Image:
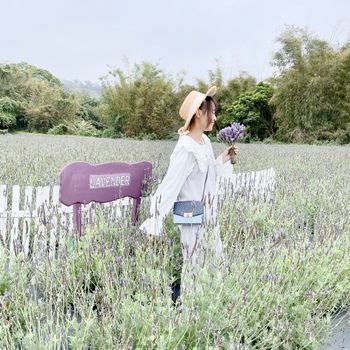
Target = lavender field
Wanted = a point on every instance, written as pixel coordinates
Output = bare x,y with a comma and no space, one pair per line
286,270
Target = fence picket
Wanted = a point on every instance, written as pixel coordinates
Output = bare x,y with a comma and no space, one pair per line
54,221
14,220
28,197
3,213
41,210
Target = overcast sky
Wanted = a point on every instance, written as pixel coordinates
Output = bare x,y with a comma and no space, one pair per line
81,39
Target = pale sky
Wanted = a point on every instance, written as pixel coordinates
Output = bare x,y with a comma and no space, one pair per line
76,39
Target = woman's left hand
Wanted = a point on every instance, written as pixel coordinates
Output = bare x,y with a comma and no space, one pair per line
225,155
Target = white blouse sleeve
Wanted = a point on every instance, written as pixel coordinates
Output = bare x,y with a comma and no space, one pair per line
180,166
223,170
224,174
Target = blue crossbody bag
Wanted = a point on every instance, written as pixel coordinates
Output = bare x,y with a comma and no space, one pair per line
189,212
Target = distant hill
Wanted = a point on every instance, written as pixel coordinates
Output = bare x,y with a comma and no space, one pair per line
93,89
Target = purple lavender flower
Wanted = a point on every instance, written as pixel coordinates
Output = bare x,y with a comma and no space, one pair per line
231,133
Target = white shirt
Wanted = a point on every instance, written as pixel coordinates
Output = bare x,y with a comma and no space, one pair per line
185,179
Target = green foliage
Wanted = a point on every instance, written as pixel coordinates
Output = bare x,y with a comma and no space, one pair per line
52,104
310,98
5,277
8,105
253,110
81,128
7,120
227,92
342,136
89,110
140,102
109,133
312,91
17,74
38,100
77,127
8,110
40,118
60,129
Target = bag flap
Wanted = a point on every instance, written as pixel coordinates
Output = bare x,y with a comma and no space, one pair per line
194,207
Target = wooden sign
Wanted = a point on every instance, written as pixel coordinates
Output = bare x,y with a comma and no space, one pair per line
82,183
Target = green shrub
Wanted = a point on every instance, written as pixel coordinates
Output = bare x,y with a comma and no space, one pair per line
8,111
60,129
81,128
252,109
141,102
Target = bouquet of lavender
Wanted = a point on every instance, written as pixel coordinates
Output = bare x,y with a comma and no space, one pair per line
230,135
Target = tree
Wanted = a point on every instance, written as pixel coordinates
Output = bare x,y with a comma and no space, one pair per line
139,103
8,110
227,92
252,109
40,99
312,90
88,110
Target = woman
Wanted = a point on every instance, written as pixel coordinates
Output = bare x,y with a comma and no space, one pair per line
193,171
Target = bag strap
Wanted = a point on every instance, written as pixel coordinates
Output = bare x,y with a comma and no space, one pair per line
205,182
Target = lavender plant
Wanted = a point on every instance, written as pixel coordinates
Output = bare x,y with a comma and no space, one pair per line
229,136
285,270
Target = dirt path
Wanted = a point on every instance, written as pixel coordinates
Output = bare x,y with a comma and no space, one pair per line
340,337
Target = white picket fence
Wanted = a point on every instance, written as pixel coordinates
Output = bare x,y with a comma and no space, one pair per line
33,221
252,185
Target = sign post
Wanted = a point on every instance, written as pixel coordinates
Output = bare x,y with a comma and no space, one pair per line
82,183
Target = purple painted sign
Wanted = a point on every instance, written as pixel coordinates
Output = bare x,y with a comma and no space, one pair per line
82,183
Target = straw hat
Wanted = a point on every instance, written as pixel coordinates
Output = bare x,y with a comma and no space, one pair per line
190,105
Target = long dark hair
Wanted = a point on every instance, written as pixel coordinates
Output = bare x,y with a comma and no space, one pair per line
205,106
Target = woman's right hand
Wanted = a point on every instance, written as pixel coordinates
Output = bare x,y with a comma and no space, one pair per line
226,156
